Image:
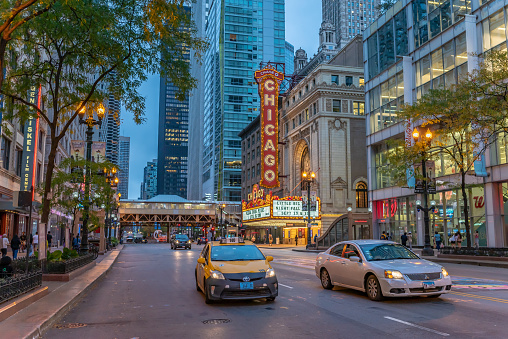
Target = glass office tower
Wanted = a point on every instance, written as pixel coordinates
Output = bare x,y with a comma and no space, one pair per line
241,34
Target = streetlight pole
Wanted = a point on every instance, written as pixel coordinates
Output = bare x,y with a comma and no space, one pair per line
427,138
308,178
90,122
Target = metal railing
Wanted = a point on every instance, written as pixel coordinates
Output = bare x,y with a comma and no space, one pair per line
66,266
18,281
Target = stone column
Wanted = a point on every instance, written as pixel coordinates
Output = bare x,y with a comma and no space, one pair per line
102,241
493,214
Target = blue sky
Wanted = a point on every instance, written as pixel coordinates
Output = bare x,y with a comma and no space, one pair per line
303,19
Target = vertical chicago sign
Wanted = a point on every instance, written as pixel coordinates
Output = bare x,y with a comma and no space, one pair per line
269,80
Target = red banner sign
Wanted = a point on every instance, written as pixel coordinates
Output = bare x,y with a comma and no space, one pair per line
269,80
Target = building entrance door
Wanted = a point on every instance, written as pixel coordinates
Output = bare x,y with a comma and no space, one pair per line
361,232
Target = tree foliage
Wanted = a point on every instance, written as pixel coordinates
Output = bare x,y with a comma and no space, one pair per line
67,187
464,119
83,52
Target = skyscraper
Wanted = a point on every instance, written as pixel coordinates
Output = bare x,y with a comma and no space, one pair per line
194,179
123,164
149,184
241,35
349,18
289,58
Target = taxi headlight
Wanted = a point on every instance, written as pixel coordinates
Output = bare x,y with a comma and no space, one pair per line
393,274
270,273
177,241
445,272
216,275
188,241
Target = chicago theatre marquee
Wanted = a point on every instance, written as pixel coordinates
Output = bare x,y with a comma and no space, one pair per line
320,129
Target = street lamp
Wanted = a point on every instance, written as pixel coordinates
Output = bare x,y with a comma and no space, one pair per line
308,178
113,180
90,122
425,139
221,208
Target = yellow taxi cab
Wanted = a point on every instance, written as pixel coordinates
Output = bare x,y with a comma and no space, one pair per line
232,269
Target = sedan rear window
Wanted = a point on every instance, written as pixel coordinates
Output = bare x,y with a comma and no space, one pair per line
374,252
236,253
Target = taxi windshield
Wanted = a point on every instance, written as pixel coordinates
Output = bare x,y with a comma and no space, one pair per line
375,252
182,237
236,253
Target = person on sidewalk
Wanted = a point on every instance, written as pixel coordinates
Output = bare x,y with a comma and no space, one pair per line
403,239
453,239
383,236
15,245
458,239
315,238
476,240
23,242
270,239
36,241
5,244
296,240
410,240
49,237
437,238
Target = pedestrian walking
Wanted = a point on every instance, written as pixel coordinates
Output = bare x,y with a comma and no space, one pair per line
36,241
23,242
403,239
75,243
477,240
296,239
5,244
458,239
270,239
49,237
383,236
410,240
453,239
388,237
315,238
15,245
437,238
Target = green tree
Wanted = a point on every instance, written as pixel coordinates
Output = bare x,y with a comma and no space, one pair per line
67,187
385,5
460,135
13,15
84,51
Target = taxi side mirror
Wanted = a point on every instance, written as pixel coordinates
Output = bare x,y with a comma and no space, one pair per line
201,260
269,258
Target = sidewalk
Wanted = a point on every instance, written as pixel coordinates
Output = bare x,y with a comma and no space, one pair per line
280,246
36,318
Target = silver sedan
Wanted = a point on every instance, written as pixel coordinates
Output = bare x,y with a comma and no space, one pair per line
381,269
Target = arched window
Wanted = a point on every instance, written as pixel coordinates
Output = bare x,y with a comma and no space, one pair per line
361,195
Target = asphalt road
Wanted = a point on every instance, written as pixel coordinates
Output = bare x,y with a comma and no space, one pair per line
150,293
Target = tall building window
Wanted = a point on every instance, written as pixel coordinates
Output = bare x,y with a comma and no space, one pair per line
361,195
336,106
6,147
335,79
358,108
349,80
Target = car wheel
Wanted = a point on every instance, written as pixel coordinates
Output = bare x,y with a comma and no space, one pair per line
373,288
434,296
325,280
207,297
270,299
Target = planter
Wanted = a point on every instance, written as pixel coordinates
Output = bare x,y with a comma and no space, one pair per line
19,284
482,251
66,266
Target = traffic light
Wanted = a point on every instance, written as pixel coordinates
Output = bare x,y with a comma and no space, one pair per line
213,229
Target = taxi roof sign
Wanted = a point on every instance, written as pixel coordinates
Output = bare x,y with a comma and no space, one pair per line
232,240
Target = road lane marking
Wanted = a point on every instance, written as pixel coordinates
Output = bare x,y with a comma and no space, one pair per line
417,326
504,301
285,286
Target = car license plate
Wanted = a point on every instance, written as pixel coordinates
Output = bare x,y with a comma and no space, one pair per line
428,284
246,285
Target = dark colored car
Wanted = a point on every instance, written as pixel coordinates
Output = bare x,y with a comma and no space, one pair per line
181,240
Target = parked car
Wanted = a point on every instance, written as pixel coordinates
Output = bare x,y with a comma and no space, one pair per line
381,269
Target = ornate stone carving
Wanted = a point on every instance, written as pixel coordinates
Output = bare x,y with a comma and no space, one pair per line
345,106
337,124
339,183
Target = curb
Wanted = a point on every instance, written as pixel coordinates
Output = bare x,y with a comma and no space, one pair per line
52,319
467,262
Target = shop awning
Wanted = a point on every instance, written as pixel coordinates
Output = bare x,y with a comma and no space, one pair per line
6,206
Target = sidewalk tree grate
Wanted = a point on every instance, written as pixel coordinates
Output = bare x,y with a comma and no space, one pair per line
70,325
216,321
